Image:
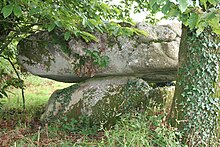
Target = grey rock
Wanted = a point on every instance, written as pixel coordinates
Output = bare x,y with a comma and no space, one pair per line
159,33
102,100
162,96
153,57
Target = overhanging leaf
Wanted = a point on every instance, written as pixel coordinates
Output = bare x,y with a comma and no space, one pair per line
213,2
34,11
193,20
67,35
4,93
183,5
7,10
214,23
166,7
87,36
204,3
208,16
201,27
51,27
140,32
17,10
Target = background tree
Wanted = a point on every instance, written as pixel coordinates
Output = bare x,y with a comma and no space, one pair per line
194,110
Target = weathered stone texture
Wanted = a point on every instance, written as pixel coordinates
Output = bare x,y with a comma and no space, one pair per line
120,87
153,57
104,99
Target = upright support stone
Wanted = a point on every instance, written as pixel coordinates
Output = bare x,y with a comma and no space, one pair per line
102,100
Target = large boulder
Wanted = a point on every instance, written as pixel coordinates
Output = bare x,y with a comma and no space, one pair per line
153,57
102,100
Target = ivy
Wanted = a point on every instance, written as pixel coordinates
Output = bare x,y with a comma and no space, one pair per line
199,76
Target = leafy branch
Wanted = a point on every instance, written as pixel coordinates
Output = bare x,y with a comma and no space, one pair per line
20,83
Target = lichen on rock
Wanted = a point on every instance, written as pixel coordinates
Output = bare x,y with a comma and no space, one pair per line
102,100
140,56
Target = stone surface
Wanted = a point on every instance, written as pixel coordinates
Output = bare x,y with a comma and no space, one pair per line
102,100
160,33
153,57
163,96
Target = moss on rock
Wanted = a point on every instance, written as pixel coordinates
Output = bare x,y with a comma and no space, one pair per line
102,100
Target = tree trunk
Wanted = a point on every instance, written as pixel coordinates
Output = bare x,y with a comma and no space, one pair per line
175,113
194,111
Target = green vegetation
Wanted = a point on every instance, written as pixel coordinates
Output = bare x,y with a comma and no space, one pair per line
193,95
23,127
37,92
143,129
21,18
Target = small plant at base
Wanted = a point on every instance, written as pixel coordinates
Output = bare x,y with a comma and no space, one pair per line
80,126
141,129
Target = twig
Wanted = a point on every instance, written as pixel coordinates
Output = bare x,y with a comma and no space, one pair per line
5,45
22,30
38,135
13,22
19,78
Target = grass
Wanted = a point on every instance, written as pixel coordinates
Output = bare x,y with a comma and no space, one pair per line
23,128
37,92
142,129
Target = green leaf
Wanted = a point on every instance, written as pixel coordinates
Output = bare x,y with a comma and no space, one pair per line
87,36
116,31
93,22
201,27
58,23
7,10
140,32
67,35
99,29
4,93
152,2
216,30
173,13
51,27
203,2
213,2
34,11
155,8
193,20
208,16
183,4
166,7
17,11
84,21
214,23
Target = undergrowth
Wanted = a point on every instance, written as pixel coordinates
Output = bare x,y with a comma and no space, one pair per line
134,129
140,130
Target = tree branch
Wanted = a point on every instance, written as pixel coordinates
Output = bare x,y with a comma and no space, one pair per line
23,30
13,22
19,78
5,45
